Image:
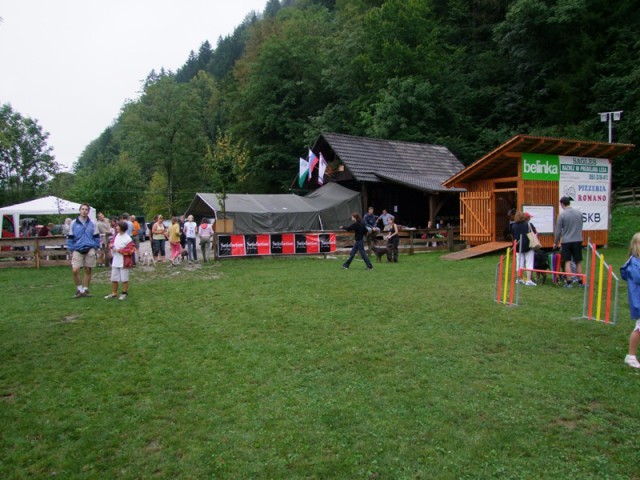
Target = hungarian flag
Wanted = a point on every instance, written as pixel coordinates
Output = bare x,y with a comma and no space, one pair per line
304,170
321,169
313,160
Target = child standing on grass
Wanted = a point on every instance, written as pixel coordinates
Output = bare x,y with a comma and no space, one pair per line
123,249
630,272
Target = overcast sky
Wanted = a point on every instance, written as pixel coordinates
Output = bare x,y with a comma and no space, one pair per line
72,64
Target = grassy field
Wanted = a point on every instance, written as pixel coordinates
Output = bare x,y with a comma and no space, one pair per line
292,368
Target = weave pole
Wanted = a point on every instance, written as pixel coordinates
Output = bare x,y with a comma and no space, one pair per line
513,275
605,287
598,292
499,278
505,277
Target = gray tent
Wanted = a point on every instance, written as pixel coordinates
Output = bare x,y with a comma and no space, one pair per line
323,209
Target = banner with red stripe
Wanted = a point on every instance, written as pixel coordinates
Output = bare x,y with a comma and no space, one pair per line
230,246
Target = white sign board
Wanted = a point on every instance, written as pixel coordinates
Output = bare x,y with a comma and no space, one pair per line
542,217
588,182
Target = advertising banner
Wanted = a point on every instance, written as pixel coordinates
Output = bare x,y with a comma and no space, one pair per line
586,180
230,246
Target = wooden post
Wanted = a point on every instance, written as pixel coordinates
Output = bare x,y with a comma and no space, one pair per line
450,242
36,254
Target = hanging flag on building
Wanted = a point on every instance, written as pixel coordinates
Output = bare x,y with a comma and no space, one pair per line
321,169
304,171
313,160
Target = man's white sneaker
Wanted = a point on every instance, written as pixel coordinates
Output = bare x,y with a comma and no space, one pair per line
531,283
632,361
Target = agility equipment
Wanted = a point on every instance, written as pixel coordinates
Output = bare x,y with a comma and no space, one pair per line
598,290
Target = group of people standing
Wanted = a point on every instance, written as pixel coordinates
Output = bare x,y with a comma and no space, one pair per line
118,242
182,237
567,237
370,225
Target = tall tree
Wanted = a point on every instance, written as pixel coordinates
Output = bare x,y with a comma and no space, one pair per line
164,135
280,86
114,188
26,161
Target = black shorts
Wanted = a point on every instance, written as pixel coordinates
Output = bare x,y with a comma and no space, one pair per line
572,251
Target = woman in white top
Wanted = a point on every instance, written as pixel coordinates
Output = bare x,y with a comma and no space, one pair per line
190,230
121,247
205,232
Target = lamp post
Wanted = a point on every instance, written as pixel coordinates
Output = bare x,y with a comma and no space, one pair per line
610,117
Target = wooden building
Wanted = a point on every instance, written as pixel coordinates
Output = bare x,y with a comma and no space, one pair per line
404,178
500,181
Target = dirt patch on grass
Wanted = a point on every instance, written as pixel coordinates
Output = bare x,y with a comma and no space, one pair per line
150,273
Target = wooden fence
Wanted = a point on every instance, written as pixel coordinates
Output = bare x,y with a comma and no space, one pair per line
627,196
36,252
411,241
33,252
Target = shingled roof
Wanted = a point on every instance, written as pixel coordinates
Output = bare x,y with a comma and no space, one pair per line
417,165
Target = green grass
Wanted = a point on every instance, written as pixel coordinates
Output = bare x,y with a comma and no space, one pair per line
624,225
293,368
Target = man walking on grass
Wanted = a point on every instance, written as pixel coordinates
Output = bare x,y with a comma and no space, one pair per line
82,242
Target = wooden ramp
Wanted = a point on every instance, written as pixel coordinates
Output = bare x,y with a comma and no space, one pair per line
477,250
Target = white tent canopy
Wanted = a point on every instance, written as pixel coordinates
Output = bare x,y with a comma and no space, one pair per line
43,206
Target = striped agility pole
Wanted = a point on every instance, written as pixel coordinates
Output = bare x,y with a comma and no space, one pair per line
606,285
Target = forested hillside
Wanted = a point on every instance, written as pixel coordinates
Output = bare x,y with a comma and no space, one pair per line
466,74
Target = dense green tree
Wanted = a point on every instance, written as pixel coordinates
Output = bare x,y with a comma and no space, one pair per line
230,49
164,134
26,161
272,8
280,85
100,152
155,201
462,73
60,185
226,164
114,188
195,63
207,108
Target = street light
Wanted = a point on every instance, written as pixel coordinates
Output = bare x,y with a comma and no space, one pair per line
610,117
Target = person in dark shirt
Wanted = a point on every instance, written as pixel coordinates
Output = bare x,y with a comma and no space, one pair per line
393,238
359,230
45,231
370,221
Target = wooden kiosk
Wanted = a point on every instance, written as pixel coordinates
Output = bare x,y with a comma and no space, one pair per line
532,173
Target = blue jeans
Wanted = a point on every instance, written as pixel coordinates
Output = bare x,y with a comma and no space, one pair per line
157,247
191,249
358,247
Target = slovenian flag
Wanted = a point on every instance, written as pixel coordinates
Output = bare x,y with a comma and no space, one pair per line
321,169
304,170
313,160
